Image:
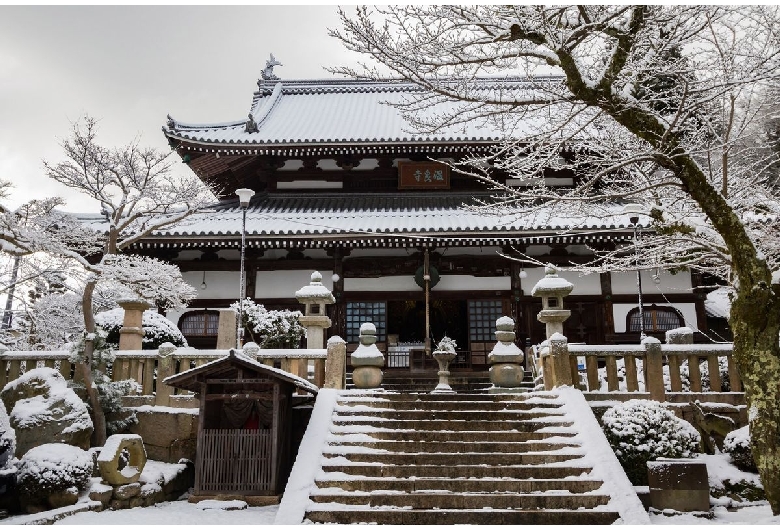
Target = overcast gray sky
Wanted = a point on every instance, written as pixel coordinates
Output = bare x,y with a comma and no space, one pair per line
131,66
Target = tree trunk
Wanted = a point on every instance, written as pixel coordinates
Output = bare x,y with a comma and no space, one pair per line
85,368
755,320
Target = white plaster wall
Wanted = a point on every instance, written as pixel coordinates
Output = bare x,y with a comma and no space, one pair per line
309,185
620,312
625,282
585,284
283,284
448,282
219,284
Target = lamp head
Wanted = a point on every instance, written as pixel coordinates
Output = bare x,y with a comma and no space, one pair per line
634,211
244,194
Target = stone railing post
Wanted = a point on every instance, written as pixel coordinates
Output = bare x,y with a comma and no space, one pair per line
654,372
131,334
559,357
226,329
166,367
336,363
367,360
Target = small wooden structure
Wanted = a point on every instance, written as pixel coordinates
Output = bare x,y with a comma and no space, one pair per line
244,432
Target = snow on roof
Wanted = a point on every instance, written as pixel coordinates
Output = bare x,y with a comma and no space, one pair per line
718,303
289,215
314,112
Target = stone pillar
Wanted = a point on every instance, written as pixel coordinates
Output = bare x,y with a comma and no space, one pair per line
336,363
679,336
367,360
166,367
132,333
315,297
506,370
559,355
226,332
654,371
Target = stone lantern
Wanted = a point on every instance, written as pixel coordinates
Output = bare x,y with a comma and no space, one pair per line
552,289
367,360
315,297
506,370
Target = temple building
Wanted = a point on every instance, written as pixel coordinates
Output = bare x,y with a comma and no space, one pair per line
344,186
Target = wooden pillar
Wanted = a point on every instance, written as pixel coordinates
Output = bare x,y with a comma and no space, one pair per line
200,442
276,437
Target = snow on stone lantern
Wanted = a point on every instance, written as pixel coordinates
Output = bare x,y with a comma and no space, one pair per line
506,370
367,360
315,297
552,289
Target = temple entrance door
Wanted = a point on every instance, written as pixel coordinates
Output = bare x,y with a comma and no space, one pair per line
406,328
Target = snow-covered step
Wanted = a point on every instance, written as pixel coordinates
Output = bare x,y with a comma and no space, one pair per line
444,459
471,485
455,446
447,425
453,436
464,471
482,516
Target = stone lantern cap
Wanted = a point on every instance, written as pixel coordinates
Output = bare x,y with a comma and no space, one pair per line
315,292
552,284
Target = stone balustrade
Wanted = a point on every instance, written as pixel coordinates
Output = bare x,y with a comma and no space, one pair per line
149,367
618,367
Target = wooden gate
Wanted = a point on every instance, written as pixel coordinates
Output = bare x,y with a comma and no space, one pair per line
235,460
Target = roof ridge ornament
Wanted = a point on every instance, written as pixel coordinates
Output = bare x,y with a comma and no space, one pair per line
267,73
171,123
251,125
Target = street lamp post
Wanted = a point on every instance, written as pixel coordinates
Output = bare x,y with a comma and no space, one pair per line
634,210
244,194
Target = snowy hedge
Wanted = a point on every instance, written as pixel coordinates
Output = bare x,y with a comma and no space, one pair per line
157,328
737,446
52,468
641,430
271,328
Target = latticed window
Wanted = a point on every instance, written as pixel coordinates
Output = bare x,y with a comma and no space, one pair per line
361,312
482,319
657,319
199,324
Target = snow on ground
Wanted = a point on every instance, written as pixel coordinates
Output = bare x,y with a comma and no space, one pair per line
185,513
177,513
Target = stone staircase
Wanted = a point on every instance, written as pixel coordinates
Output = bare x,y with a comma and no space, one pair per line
454,459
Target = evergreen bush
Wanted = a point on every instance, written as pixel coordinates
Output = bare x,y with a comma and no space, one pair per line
157,328
737,446
52,468
641,430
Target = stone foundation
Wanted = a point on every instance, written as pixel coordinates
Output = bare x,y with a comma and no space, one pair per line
144,493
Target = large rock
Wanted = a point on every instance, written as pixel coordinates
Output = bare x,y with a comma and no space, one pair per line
7,439
42,410
169,434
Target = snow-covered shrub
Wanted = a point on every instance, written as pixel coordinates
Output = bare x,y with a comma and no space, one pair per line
641,430
737,446
109,392
52,468
157,328
447,344
271,329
